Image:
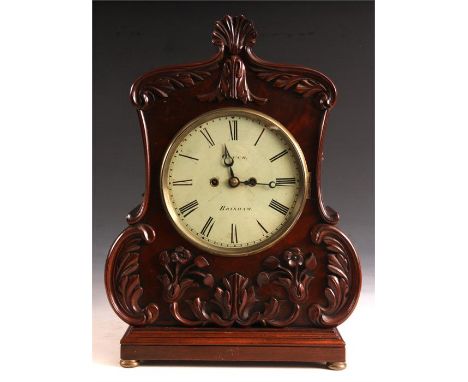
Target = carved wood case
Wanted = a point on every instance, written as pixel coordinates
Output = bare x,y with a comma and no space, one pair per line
310,278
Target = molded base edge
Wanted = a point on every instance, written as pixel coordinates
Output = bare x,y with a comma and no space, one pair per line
300,345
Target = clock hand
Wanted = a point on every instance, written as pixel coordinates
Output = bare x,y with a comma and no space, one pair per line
227,158
253,182
229,161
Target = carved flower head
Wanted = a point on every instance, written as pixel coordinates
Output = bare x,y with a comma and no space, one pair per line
181,255
294,257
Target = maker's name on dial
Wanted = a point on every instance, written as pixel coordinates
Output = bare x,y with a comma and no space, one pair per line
227,208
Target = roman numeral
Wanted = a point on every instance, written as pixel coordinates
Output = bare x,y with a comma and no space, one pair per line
233,130
234,234
188,208
207,136
188,156
207,227
262,227
285,181
277,206
255,144
186,182
279,155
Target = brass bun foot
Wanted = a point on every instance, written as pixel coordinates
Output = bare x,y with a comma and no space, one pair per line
336,365
127,363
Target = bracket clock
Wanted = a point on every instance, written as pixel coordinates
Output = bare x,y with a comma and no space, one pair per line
232,254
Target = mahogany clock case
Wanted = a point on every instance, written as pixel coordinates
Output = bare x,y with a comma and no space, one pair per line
141,284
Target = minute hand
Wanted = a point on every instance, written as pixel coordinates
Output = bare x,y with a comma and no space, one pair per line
279,182
253,182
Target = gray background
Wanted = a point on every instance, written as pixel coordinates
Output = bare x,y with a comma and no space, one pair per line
130,38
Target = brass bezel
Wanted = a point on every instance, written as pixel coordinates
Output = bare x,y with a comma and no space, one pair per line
172,214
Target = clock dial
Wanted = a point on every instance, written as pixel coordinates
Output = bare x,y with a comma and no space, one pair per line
234,181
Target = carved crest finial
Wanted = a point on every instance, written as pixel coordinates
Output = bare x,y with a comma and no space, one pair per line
234,33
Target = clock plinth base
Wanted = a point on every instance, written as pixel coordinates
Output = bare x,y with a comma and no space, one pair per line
292,345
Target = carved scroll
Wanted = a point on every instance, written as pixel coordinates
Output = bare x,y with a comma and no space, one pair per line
122,276
343,280
328,214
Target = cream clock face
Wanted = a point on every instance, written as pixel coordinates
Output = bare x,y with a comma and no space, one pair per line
234,181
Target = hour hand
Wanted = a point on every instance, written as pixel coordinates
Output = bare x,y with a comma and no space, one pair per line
227,158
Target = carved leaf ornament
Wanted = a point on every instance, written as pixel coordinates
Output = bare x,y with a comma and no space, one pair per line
123,285
163,85
293,273
342,263
303,85
181,273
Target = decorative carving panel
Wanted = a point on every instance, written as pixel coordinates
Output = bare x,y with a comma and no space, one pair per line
234,299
